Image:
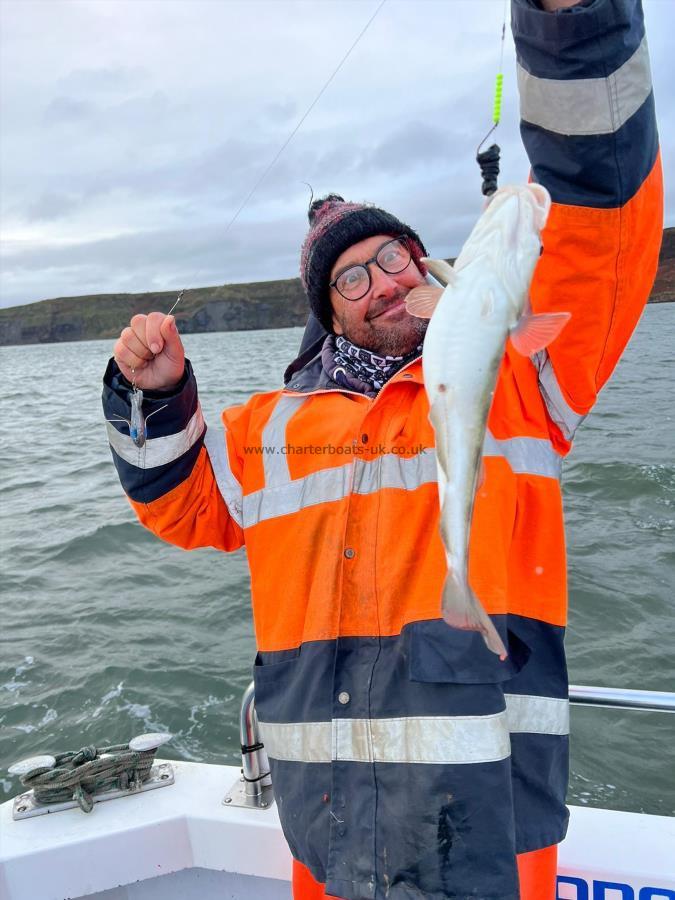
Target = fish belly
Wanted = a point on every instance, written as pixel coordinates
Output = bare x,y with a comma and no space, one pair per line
462,353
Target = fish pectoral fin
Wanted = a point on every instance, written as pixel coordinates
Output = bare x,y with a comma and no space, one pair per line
423,300
441,270
534,331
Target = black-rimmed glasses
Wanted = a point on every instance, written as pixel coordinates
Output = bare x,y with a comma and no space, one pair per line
354,282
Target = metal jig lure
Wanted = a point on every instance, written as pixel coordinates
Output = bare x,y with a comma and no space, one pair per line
137,423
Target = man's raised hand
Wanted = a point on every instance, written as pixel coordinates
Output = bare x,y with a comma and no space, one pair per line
150,352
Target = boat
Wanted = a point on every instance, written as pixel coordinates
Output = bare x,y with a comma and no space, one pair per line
192,831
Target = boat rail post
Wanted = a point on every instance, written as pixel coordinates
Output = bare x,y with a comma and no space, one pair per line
253,788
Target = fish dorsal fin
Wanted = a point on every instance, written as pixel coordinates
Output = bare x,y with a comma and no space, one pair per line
534,331
441,270
422,300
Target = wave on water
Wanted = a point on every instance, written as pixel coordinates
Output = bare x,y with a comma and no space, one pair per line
620,480
115,539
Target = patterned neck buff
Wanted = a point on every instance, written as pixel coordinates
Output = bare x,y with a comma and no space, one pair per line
358,369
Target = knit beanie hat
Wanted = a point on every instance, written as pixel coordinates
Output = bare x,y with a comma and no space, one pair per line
334,225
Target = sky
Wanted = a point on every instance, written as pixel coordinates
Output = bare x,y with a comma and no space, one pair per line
132,132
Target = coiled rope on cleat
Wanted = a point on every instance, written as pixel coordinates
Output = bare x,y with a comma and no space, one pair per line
81,774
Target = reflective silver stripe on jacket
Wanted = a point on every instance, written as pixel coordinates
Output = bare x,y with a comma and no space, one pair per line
438,740
586,105
393,471
157,451
230,490
275,463
537,715
320,487
558,408
450,740
525,455
284,496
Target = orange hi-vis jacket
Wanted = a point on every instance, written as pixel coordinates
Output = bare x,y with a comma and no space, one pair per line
407,759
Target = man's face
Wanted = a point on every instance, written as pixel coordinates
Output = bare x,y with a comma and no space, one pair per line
379,321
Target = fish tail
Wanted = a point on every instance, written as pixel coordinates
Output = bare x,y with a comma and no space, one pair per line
462,609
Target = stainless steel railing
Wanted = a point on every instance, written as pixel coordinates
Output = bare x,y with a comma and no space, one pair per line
622,698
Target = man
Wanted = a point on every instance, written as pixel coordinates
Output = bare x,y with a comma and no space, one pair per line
407,760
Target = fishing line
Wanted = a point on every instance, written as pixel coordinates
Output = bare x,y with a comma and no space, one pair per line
488,160
308,111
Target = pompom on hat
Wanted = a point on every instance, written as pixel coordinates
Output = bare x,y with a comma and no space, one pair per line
334,226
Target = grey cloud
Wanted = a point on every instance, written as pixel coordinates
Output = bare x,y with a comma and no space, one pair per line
221,174
52,205
162,249
67,110
143,111
104,80
281,111
414,144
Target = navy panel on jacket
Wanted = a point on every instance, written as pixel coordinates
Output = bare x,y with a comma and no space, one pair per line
145,485
459,816
540,762
546,670
602,171
373,850
589,41
540,775
375,672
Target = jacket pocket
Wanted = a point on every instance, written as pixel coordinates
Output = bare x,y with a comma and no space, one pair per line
439,653
274,663
273,675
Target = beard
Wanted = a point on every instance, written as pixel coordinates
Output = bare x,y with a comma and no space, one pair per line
394,335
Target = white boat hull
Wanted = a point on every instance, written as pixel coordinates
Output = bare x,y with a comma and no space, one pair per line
183,843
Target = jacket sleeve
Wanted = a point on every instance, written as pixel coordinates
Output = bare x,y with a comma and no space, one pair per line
184,484
589,129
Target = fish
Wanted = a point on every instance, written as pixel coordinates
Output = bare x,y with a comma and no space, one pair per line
484,303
